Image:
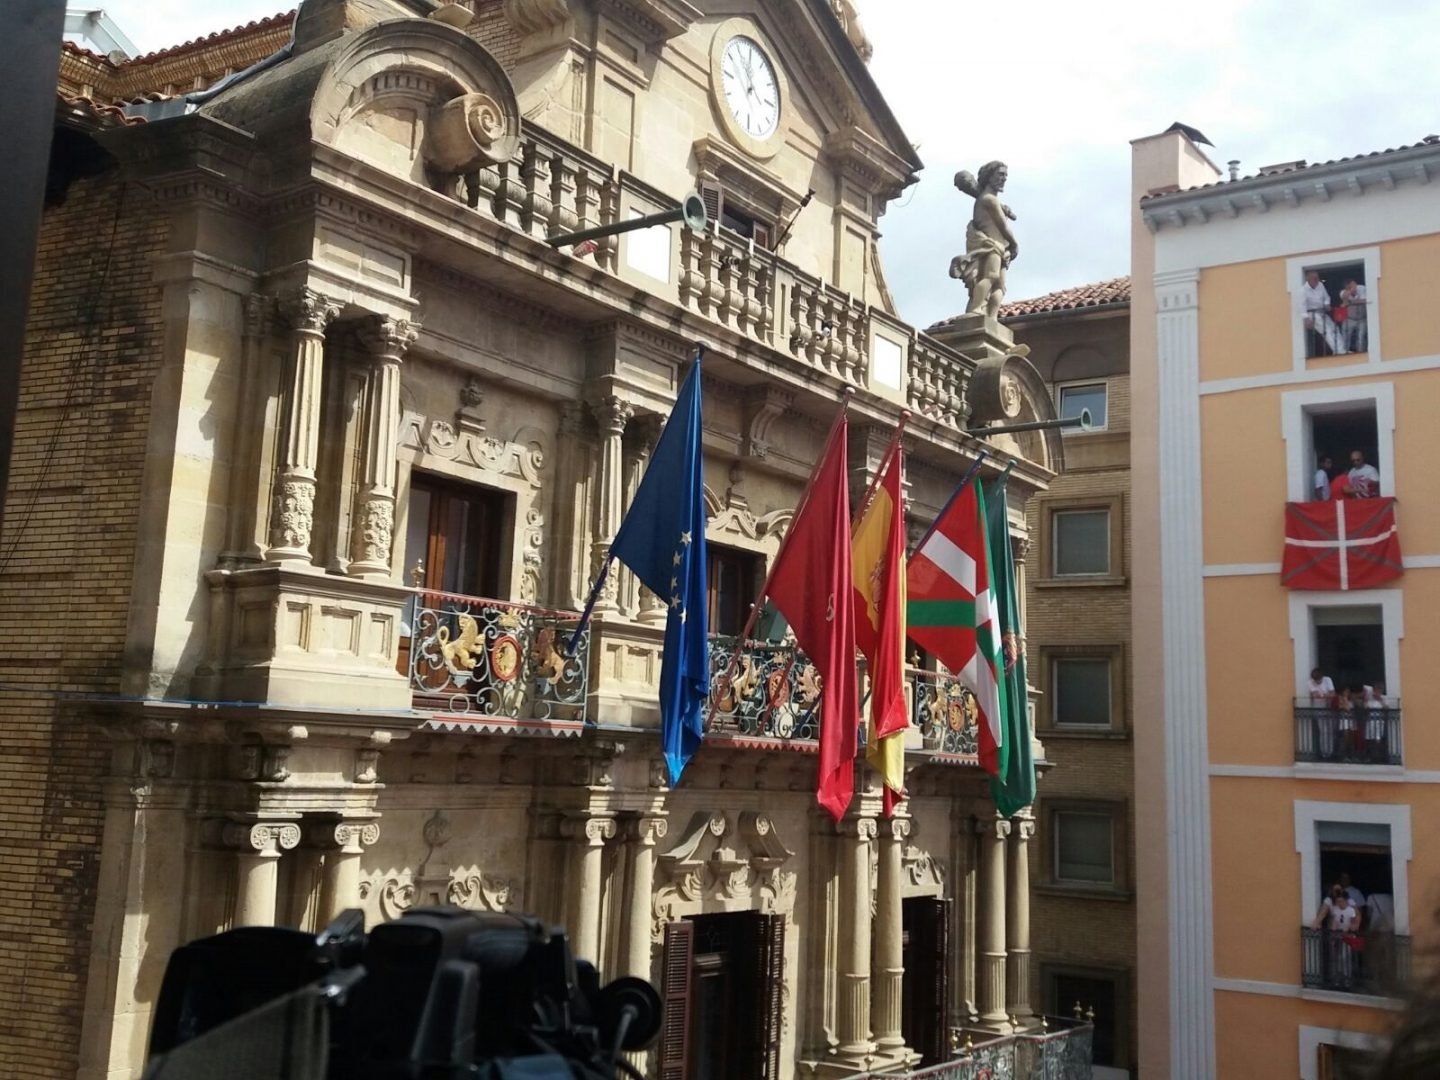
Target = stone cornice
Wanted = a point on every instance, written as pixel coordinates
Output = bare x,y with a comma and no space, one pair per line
1352,177
652,21
865,160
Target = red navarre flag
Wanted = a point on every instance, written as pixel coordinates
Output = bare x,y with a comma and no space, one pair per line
810,584
1341,544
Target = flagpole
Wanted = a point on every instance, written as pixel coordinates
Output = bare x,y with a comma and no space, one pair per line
965,480
750,620
605,566
890,452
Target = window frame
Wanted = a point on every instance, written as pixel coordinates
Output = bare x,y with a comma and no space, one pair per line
496,541
1309,815
1053,562
1051,657
1118,810
1391,603
1295,269
1298,406
1076,384
1058,846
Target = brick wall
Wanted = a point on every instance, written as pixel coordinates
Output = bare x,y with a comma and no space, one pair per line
494,31
66,550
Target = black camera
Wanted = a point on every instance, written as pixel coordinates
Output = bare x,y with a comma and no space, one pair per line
439,994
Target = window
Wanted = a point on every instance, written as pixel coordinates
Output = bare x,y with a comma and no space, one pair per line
1078,397
1080,692
1082,543
1345,436
1338,422
1084,848
1334,309
732,217
454,535
925,995
1075,990
722,981
1350,645
735,579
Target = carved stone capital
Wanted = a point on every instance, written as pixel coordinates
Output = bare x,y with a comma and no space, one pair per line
997,827
310,312
1024,829
896,828
262,838
642,434
647,831
612,414
861,829
593,830
387,338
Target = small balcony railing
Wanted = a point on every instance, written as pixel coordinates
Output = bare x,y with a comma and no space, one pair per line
1375,962
1358,735
772,693
944,711
493,663
1326,337
1061,1050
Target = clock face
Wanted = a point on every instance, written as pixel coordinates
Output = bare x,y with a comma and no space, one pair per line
751,89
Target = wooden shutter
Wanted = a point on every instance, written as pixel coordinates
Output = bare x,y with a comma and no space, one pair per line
762,233
675,997
926,987
759,951
713,195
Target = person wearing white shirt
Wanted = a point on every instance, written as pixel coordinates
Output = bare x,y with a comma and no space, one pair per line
1322,479
1322,715
1315,299
1364,478
1340,919
1353,297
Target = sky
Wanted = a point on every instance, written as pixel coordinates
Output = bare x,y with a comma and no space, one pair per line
1058,89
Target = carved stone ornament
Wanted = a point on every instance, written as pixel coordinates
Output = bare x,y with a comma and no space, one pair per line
294,513
763,406
376,532
310,312
719,866
536,16
467,133
388,337
263,838
366,766
434,882
522,458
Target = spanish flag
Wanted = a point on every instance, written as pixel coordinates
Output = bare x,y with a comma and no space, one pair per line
877,544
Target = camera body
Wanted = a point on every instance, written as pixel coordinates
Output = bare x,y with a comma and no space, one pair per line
439,994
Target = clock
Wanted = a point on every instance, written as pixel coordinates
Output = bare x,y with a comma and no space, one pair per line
751,90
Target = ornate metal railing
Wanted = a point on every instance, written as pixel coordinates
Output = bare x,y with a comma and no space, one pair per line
1060,1051
772,693
1359,735
943,709
1371,962
485,660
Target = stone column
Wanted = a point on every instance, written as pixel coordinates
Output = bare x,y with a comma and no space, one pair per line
611,413
853,1008
644,834
374,524
344,843
992,925
241,543
294,514
588,836
890,942
257,865
572,508
641,435
1017,921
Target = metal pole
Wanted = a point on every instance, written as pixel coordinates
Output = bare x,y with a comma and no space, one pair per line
30,36
1081,421
691,211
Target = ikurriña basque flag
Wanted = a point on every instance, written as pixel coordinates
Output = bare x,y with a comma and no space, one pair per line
662,541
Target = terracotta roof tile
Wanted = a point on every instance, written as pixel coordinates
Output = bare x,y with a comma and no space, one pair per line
79,50
106,115
1095,295
218,37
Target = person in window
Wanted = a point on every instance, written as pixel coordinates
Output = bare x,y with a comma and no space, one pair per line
1340,920
1322,714
1364,478
1375,725
1353,297
1357,898
1346,707
1322,478
1322,689
1315,298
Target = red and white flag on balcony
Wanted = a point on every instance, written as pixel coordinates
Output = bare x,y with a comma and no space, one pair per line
1341,544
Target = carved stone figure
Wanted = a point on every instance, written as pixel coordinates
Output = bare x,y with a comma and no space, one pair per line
990,245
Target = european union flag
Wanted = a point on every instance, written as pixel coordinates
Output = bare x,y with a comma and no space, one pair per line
662,540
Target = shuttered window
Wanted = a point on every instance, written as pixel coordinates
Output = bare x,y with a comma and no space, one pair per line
733,218
926,987
675,999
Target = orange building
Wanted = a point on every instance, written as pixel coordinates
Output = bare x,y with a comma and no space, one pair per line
1280,320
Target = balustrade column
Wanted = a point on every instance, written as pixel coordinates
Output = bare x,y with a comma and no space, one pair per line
993,832
373,533
644,834
294,512
611,413
1017,922
890,942
853,1011
588,835
257,865
340,883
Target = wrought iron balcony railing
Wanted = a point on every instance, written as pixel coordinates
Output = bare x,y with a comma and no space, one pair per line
1359,735
772,694
490,663
943,709
1062,1050
1373,962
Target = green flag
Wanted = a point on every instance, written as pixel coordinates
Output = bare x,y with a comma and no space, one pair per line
1014,788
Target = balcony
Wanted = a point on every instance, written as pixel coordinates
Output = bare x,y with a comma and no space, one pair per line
771,698
943,711
1325,734
1374,962
490,665
1060,1050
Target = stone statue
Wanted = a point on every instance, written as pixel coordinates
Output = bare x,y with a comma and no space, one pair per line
990,246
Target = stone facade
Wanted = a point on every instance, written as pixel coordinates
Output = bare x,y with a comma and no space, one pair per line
287,360
1083,935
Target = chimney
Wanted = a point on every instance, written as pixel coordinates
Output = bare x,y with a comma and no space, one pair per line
1234,164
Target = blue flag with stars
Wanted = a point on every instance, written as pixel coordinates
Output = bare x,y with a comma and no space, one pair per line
662,540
